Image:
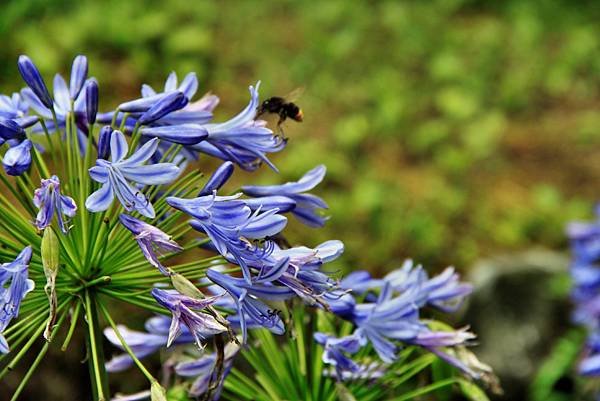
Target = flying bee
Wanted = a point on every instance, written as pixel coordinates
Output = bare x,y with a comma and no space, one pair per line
283,107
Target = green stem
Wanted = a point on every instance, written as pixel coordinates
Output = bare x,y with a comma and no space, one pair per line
124,343
96,361
74,318
37,360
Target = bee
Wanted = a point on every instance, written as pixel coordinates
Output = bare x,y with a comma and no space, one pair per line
283,107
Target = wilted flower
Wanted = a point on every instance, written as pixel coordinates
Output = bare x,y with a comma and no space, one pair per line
50,201
151,240
184,312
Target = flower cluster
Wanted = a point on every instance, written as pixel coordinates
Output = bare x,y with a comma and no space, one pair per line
386,314
585,273
116,181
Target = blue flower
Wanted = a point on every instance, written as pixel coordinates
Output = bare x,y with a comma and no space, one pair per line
104,142
388,320
143,343
115,177
151,240
336,352
249,307
228,222
32,77
50,201
14,286
165,105
198,112
79,72
91,100
204,371
17,159
444,291
217,179
14,118
184,310
306,205
241,139
66,99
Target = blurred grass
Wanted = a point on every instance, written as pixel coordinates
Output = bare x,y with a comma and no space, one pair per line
451,129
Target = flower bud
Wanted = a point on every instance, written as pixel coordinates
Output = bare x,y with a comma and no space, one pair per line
91,100
18,158
217,179
185,134
185,286
50,252
79,71
10,129
168,104
32,77
157,392
104,142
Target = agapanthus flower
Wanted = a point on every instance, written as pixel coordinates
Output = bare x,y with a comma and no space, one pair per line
336,352
142,343
204,371
228,222
306,205
151,240
132,153
14,286
14,116
116,177
248,305
198,112
50,201
217,179
585,273
185,310
392,317
17,159
66,98
32,77
241,139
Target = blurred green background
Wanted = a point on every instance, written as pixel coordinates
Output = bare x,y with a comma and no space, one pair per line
452,130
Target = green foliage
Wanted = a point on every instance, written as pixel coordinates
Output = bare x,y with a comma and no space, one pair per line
291,369
557,365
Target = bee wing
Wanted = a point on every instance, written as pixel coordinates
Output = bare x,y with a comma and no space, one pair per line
295,94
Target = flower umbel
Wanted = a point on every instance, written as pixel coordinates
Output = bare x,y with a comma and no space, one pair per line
220,266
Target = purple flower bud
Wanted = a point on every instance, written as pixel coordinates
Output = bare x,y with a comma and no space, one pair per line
79,72
217,179
9,129
168,104
91,100
185,134
104,142
32,77
18,158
